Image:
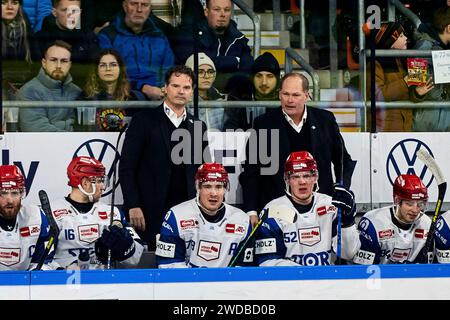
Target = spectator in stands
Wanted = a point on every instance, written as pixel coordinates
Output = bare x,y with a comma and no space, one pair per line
218,230
219,38
292,127
65,24
213,117
16,54
108,81
391,80
36,11
53,83
143,46
435,37
152,176
266,83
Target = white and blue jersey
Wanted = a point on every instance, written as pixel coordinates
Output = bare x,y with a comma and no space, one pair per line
309,241
383,242
80,230
442,238
187,239
22,244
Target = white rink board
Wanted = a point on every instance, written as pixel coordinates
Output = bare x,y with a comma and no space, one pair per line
384,282
44,158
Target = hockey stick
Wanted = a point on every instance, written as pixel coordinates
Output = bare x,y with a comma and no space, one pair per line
431,164
339,210
281,212
54,230
111,217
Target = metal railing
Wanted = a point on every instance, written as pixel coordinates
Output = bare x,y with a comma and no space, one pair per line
256,25
291,54
406,12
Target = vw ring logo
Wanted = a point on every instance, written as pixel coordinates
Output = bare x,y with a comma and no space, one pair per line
104,152
402,159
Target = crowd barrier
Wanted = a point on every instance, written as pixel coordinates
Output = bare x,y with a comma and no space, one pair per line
380,157
409,282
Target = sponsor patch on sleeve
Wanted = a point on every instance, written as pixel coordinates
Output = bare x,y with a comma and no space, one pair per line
364,257
266,246
165,249
443,256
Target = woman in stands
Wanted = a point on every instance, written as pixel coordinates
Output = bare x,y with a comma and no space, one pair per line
109,81
391,80
16,55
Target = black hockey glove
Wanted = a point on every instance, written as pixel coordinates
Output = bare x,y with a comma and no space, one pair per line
119,240
344,199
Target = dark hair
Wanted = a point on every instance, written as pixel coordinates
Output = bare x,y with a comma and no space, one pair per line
305,82
180,69
441,19
95,85
58,43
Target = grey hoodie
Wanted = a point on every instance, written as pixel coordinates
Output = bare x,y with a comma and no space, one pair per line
47,119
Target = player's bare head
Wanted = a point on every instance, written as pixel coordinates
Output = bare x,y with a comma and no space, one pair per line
87,175
410,197
211,181
301,176
57,60
12,190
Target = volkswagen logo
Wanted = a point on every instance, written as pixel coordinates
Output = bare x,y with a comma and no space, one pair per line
104,152
402,159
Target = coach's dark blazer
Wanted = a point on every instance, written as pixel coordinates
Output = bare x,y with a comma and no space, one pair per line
145,166
326,139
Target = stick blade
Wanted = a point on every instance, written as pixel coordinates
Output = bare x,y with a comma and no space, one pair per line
283,212
431,163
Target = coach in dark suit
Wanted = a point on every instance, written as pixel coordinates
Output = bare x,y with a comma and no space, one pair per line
162,150
293,127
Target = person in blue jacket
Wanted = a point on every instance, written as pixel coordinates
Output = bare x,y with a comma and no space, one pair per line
36,11
144,48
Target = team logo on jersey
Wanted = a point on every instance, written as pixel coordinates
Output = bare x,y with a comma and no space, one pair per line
88,233
103,215
420,234
400,255
188,224
386,234
208,250
234,228
30,231
9,256
309,236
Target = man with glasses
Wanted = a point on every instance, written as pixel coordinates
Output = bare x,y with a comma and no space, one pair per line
396,234
53,83
213,117
143,46
310,240
84,221
23,228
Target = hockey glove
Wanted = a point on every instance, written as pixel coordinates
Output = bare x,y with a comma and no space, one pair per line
344,199
119,240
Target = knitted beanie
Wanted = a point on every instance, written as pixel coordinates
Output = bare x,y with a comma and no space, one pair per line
266,62
389,33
